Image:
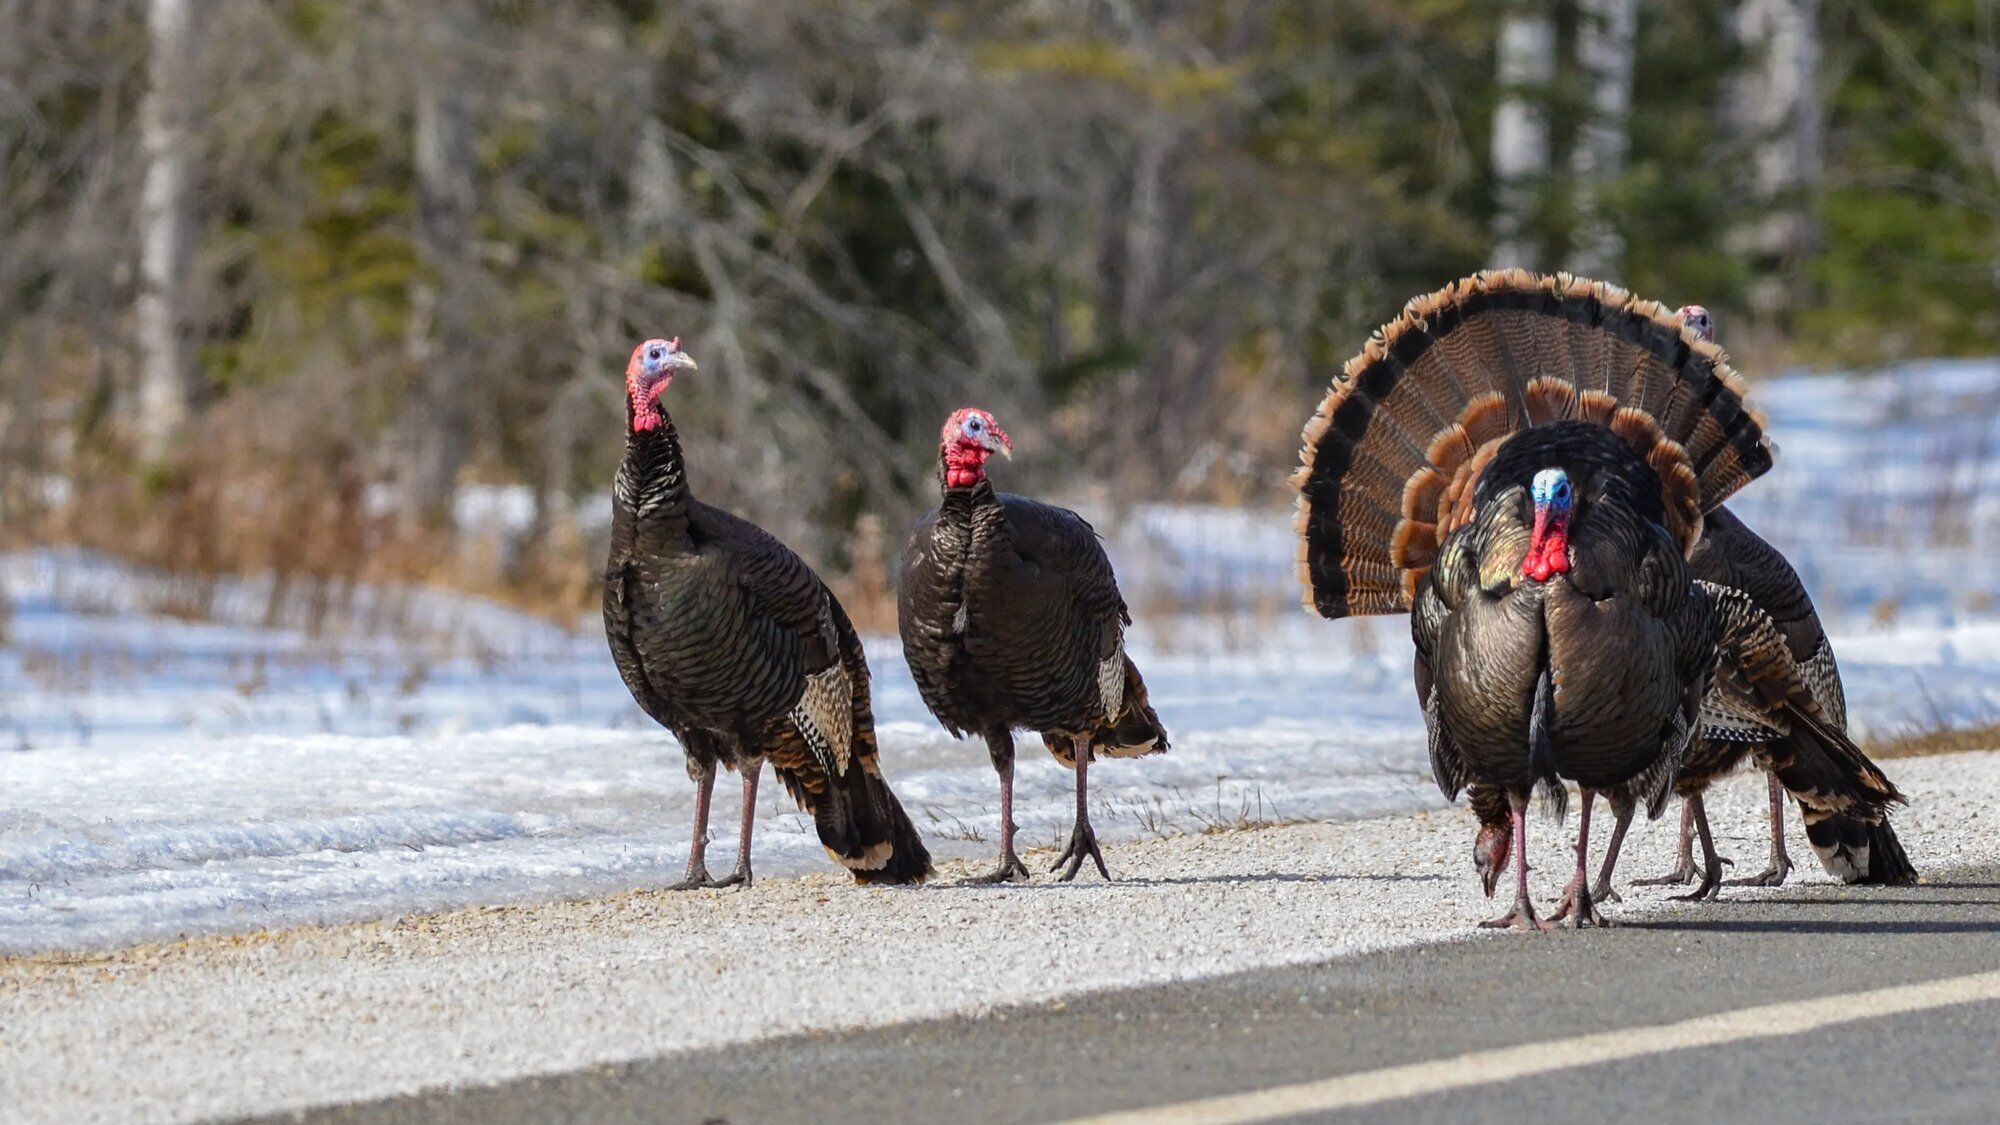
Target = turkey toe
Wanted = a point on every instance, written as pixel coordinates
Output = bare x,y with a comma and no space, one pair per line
1082,843
1010,870
1773,876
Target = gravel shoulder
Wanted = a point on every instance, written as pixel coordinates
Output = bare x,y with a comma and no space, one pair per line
275,1021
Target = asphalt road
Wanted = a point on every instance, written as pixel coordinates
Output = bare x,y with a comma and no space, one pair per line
1277,1029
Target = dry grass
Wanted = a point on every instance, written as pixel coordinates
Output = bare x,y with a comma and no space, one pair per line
252,497
1935,740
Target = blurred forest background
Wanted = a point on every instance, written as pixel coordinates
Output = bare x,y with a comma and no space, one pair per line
336,290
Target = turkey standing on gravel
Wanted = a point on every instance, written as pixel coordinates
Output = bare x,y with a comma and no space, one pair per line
1845,810
1524,463
1011,618
728,639
1842,796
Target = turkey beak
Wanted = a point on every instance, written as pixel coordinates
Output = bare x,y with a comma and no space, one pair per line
681,361
996,442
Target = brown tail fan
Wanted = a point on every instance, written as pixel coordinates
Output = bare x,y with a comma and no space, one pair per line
1392,453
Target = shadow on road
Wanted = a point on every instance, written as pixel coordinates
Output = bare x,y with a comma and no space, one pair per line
1752,926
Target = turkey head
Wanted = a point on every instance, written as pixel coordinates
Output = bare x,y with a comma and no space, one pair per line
650,372
970,436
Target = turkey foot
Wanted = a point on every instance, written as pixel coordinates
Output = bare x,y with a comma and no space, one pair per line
1708,891
1587,915
1601,890
1781,863
1082,840
1576,904
1522,917
741,876
1772,876
1682,874
696,878
1711,873
1684,871
1579,905
697,868
1011,869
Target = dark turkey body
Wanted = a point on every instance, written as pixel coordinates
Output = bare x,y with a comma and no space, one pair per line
1625,636
702,656
1009,613
1730,554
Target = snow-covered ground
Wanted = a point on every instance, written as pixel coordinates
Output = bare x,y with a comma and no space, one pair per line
161,776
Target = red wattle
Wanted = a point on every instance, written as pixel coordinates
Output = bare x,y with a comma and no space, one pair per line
1547,558
964,464
646,414
1548,548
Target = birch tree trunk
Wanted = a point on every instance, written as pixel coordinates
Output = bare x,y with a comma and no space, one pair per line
1605,33
1775,114
439,425
166,202
1145,233
1526,66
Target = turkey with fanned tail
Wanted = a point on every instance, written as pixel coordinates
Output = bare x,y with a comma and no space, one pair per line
728,639
1779,707
1011,619
1523,463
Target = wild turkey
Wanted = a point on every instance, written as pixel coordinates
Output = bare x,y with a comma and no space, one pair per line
1854,846
1779,705
1011,618
1523,462
728,639
1857,846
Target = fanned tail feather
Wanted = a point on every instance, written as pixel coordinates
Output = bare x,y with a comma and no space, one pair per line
1391,455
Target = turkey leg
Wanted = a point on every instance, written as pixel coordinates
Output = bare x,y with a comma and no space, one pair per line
1522,917
1082,840
1711,876
1601,891
1000,745
1576,904
697,868
741,876
1683,872
1781,861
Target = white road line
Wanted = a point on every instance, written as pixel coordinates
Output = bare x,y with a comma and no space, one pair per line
1481,1067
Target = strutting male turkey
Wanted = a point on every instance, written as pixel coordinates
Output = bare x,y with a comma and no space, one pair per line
728,639
1843,797
1011,618
1524,463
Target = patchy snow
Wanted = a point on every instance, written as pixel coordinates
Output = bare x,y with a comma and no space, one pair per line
290,757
